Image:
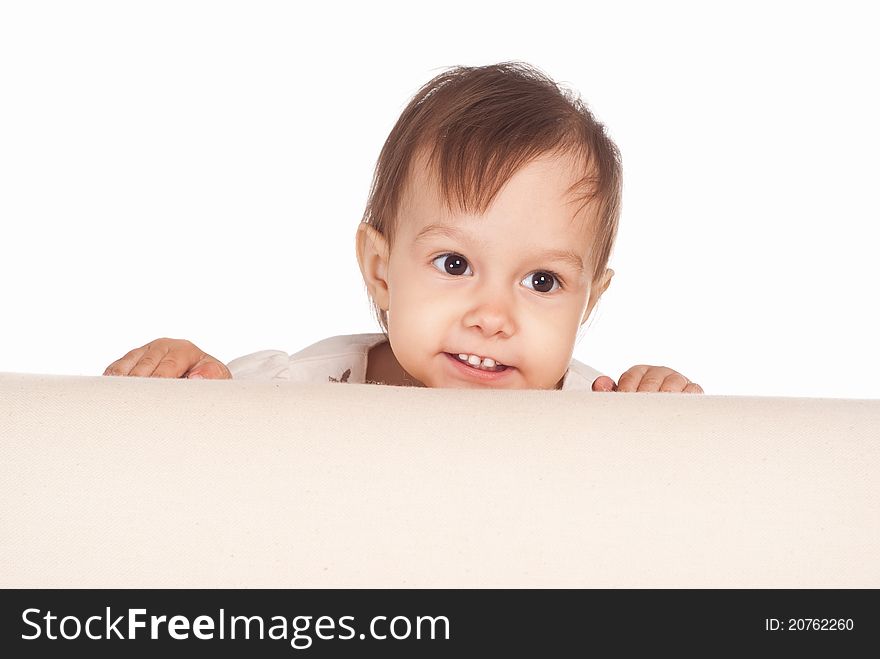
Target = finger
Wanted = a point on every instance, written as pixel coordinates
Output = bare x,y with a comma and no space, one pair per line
693,388
180,355
177,361
674,383
209,368
629,381
604,383
151,358
653,378
124,364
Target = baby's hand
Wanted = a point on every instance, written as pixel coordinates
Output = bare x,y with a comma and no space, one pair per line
169,358
649,378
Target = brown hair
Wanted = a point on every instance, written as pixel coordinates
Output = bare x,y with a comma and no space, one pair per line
482,125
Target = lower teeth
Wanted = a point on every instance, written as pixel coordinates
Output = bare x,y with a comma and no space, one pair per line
494,369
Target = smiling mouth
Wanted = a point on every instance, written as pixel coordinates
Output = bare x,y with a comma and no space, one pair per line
496,368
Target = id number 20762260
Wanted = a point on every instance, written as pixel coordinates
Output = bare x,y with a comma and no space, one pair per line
808,624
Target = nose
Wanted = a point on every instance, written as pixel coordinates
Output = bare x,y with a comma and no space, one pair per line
491,311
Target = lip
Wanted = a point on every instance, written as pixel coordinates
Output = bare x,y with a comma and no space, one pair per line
476,374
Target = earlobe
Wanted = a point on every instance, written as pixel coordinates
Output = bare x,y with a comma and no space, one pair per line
372,255
609,274
597,292
587,312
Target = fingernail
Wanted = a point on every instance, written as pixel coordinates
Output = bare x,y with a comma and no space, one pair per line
195,376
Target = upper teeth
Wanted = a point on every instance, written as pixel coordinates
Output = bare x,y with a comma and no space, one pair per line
476,360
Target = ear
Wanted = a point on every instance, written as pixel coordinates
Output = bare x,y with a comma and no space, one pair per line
372,255
596,292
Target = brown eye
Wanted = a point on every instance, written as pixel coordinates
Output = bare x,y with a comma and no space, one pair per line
542,282
452,264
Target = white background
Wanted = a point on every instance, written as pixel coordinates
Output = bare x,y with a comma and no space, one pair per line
198,169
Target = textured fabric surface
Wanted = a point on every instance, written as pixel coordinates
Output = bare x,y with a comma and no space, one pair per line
138,482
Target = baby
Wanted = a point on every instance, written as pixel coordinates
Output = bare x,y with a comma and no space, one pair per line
484,245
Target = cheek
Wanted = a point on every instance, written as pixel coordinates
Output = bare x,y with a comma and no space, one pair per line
549,344
418,297
549,339
417,313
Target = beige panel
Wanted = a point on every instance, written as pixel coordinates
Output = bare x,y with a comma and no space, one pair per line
133,482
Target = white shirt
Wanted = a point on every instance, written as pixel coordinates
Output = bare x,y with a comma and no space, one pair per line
344,359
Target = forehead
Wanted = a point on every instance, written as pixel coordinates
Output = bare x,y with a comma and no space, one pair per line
545,192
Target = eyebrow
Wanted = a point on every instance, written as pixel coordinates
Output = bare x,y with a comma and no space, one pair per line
565,255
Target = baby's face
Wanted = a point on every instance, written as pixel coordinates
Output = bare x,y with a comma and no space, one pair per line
512,285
